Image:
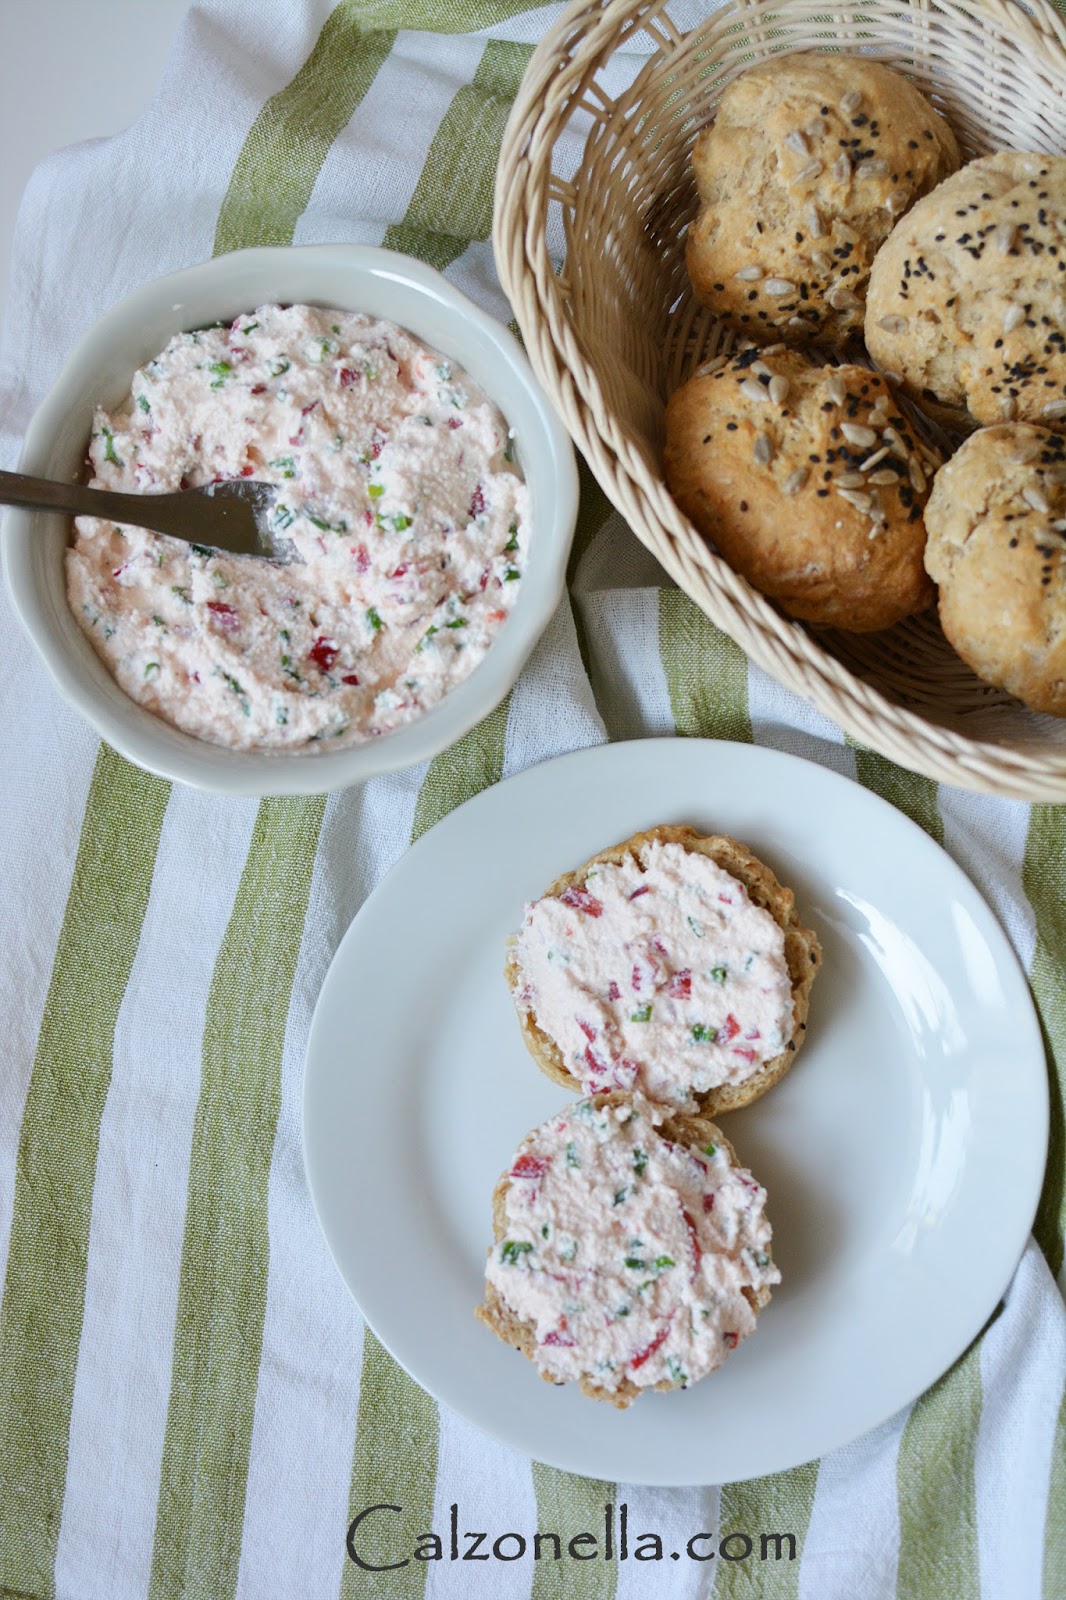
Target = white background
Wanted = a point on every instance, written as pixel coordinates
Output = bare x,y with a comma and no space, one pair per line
72,70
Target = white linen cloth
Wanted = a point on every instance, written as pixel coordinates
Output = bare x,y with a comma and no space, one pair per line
189,1402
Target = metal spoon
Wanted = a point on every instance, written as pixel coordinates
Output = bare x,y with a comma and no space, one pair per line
233,515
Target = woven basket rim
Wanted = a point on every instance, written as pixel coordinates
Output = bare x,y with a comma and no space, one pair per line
562,68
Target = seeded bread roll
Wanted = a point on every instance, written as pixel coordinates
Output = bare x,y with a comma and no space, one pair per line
808,164
967,297
802,953
997,549
809,481
696,1134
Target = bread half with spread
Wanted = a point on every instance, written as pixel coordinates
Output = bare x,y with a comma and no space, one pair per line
628,1255
673,966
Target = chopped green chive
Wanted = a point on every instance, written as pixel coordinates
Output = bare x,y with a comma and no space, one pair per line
640,1162
643,1015
109,447
718,974
697,927
152,666
182,593
375,490
513,1249
143,403
286,465
702,1034
373,619
572,1157
457,622
511,574
620,1195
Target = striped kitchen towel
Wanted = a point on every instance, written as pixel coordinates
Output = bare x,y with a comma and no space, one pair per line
190,1404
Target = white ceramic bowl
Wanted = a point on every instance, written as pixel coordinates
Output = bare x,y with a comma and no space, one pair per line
350,277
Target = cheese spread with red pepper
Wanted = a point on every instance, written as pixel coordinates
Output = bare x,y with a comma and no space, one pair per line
627,1253
658,974
396,486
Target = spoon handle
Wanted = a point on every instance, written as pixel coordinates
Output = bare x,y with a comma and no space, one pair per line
165,513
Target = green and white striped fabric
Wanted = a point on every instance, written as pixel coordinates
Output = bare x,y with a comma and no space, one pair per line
190,1404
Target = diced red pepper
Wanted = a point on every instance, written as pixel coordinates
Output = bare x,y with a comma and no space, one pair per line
586,1028
745,1055
351,678
728,1029
348,376
613,991
694,1241
258,388
477,504
362,556
401,571
224,615
680,987
455,422
581,900
530,1166
708,1202
323,653
644,889
560,1336
731,1339
596,1067
727,898
650,1349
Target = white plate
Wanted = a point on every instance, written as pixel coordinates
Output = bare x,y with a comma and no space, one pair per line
903,1155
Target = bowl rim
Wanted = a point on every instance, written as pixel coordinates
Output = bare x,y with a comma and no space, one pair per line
556,84
157,746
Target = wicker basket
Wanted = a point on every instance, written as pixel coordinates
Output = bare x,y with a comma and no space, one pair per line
614,332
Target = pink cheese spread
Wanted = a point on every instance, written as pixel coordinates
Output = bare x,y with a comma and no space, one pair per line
627,1253
398,491
659,975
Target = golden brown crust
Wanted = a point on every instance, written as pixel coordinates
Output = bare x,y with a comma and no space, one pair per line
803,954
809,162
694,1131
1000,560
965,295
779,488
